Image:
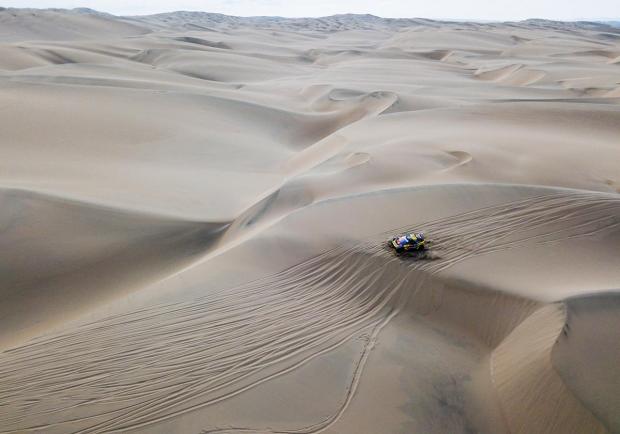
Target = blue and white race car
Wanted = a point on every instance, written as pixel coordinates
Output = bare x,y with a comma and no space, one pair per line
408,243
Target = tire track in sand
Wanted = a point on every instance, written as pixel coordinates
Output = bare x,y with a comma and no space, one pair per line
138,368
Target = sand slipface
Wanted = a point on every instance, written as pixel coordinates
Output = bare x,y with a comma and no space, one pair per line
194,211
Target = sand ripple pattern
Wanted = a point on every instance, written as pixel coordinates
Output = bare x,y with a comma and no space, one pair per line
132,370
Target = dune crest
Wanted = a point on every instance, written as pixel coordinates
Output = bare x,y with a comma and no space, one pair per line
515,75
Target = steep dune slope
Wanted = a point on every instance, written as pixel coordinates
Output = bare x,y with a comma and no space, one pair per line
61,257
584,350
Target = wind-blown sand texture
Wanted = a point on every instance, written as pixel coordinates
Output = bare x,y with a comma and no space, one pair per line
194,211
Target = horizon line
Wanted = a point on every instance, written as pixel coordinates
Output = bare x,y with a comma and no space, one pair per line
457,20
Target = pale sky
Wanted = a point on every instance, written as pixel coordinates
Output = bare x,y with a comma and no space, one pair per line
455,9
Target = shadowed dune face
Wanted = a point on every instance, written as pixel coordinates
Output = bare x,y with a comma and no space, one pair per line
73,256
195,208
589,341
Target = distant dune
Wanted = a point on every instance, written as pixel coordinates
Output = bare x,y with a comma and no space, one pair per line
195,208
49,24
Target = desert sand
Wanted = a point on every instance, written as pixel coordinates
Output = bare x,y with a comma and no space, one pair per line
194,211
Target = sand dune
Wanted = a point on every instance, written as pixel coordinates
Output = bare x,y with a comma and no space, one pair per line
194,211
515,75
25,24
75,255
